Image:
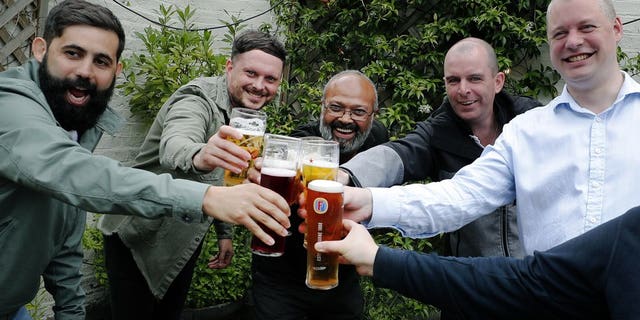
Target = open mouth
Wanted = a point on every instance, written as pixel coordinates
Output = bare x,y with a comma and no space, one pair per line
77,97
468,103
579,57
344,133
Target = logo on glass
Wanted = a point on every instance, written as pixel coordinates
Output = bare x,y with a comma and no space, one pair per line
320,205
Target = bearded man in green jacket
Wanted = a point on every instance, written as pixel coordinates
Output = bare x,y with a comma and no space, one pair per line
53,111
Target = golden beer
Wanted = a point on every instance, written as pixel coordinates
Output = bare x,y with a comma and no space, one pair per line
319,170
252,142
324,207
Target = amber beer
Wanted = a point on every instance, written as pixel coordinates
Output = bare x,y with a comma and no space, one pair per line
250,141
324,207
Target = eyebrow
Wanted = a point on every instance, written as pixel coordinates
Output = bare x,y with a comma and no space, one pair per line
99,55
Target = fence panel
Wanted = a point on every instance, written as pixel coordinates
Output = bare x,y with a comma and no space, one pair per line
19,24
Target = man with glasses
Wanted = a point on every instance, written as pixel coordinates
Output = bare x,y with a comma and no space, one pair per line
349,104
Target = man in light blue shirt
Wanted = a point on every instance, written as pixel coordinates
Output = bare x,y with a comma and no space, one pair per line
571,164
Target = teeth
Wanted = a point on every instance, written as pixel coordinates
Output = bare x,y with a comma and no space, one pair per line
578,58
467,103
344,130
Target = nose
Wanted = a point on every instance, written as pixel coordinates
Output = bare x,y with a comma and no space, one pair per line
463,88
346,116
574,39
84,69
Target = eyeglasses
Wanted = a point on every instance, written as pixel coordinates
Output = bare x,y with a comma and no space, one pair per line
355,114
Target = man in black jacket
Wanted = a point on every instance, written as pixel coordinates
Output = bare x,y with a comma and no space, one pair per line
454,135
349,105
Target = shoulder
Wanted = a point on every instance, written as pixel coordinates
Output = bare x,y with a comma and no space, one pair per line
307,130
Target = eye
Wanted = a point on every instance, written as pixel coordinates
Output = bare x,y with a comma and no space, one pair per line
588,28
475,79
72,53
359,112
335,108
250,73
451,81
559,35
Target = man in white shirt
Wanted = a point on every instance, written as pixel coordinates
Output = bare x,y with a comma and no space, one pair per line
571,164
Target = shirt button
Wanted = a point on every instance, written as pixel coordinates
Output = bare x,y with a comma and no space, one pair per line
186,218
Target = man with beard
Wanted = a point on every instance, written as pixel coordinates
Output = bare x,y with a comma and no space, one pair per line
150,263
52,114
349,105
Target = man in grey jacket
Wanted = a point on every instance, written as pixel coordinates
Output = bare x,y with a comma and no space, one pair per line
53,111
455,135
150,262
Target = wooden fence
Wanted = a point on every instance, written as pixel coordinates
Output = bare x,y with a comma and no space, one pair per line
19,24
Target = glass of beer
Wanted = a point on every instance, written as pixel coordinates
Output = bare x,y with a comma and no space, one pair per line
320,160
279,173
252,124
324,207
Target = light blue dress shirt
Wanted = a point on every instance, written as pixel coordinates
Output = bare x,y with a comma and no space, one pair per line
570,170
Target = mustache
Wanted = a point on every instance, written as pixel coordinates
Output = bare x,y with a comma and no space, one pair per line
342,125
81,83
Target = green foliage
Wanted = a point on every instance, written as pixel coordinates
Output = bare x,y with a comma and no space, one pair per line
629,64
401,45
172,57
92,241
383,303
215,286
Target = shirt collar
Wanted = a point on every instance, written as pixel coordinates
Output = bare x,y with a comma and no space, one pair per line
629,86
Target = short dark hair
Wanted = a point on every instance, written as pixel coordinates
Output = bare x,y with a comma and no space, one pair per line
79,12
258,40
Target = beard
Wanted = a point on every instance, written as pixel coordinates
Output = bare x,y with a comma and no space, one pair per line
346,146
69,116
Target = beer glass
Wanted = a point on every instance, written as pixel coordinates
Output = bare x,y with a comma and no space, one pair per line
280,161
320,160
252,124
324,207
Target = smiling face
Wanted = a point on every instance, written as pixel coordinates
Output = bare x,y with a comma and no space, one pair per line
253,78
348,92
77,73
583,41
470,81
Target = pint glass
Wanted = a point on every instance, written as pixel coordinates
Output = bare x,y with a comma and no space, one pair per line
324,222
252,124
320,159
279,173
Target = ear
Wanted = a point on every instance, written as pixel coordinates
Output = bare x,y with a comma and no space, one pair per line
228,66
499,78
118,68
39,48
617,29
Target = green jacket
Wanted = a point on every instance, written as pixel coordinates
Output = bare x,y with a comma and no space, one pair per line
48,180
181,128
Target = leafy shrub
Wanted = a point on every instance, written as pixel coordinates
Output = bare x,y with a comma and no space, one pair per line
172,57
215,286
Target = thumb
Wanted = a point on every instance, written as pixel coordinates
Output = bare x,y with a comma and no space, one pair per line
327,246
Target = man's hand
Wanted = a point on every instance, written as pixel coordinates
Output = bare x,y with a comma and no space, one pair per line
219,152
343,177
223,258
249,204
358,248
253,174
357,206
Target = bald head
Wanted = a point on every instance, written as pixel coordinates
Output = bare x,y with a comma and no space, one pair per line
468,45
606,5
351,74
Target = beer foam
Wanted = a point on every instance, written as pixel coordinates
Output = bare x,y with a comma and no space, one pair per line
320,163
253,125
245,132
278,172
328,186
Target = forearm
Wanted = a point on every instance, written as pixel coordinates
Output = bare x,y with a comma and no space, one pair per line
379,166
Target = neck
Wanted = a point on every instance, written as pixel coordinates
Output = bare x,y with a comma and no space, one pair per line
486,133
598,98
